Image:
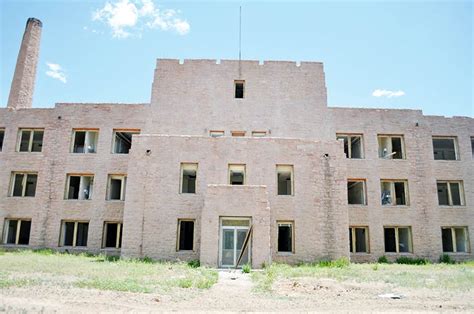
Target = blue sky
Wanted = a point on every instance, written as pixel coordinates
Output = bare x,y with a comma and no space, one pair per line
398,54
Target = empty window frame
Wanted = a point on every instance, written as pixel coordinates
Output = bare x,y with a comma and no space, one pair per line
112,237
285,236
391,146
356,194
359,239
450,193
188,178
116,187
30,140
216,133
285,179
16,231
239,88
2,135
123,141
472,145
84,141
79,187
353,146
259,134
238,133
445,148
23,184
394,192
398,240
236,174
185,235
455,239
74,233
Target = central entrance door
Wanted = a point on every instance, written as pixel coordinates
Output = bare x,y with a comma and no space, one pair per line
232,238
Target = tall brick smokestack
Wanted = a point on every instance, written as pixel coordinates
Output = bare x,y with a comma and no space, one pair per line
23,84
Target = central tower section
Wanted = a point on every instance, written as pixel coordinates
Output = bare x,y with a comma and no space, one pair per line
276,98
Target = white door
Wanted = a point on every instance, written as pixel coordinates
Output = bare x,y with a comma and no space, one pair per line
233,233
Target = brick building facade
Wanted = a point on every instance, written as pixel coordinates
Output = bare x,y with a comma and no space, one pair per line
228,153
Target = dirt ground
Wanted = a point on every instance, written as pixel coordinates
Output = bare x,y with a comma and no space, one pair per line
235,292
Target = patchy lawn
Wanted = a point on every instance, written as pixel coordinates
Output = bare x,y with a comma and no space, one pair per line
46,268
51,282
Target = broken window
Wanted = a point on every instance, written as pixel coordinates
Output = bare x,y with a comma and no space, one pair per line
239,89
24,184
356,192
394,192
352,145
398,239
236,174
79,187
2,135
216,133
445,148
391,147
74,233
17,231
85,141
455,239
123,141
359,239
285,237
259,134
188,178
30,140
116,187
238,133
285,179
185,235
112,237
450,193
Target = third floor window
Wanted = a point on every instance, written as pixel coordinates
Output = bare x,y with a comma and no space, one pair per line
30,140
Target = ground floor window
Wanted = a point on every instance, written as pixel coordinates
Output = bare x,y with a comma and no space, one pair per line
74,233
285,236
398,239
359,239
185,235
17,231
112,237
455,239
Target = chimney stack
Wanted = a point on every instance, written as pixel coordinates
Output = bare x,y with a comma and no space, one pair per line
23,84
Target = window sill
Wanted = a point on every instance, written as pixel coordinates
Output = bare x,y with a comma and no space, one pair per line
113,201
400,253
285,253
358,205
446,160
185,252
79,248
360,253
34,153
14,245
457,253
76,200
82,154
452,206
290,195
396,206
391,159
111,249
21,197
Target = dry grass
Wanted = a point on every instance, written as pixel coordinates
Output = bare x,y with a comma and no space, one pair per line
455,277
28,268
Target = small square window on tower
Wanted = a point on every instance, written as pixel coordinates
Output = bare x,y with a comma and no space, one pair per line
239,89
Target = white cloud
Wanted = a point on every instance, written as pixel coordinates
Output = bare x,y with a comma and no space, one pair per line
55,71
387,93
130,17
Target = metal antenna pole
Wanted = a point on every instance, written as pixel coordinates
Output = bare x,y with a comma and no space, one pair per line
240,42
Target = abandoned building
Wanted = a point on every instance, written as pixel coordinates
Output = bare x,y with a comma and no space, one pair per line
250,165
